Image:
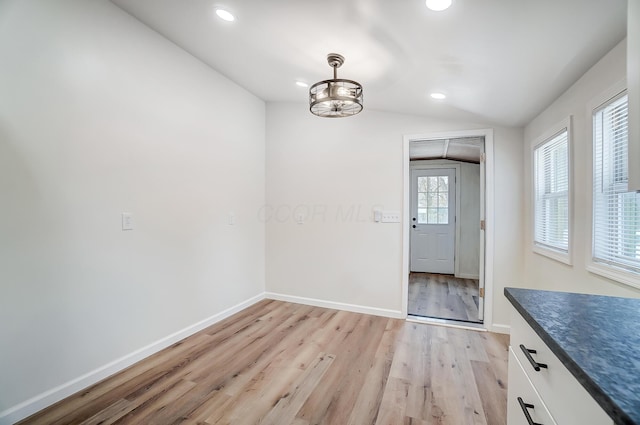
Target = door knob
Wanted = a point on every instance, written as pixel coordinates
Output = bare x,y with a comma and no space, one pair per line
414,226
414,219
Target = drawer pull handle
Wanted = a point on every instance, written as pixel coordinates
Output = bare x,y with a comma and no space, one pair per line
525,409
527,353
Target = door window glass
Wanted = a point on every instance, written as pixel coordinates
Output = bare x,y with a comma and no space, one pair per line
433,200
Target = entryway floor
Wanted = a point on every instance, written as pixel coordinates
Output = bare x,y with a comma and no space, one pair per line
443,297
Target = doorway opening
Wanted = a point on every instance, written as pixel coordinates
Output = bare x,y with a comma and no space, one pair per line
445,241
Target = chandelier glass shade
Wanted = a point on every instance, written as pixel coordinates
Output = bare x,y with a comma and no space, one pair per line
337,97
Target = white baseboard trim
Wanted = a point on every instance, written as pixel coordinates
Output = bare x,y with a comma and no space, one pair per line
500,328
47,398
467,276
396,314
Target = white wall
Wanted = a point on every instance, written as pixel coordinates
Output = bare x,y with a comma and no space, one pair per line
338,170
542,272
100,115
468,250
469,265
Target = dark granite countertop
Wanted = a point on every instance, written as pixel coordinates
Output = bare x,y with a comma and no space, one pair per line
596,337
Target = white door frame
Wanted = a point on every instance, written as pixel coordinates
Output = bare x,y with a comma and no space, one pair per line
488,247
456,244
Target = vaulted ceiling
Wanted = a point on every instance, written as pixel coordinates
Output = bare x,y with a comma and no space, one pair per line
467,149
498,61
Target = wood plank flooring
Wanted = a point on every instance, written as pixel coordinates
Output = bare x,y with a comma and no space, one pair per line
280,363
443,297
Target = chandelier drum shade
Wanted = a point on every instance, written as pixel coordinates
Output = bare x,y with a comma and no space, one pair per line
337,97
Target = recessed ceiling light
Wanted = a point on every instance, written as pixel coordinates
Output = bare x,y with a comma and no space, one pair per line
438,96
438,5
225,15
301,84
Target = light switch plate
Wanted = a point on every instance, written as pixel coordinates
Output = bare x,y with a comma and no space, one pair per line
391,216
127,221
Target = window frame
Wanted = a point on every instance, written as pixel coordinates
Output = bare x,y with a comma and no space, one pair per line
547,136
602,269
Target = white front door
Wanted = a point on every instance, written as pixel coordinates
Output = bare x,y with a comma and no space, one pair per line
433,215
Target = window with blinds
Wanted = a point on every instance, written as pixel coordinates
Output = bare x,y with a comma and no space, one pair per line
616,211
551,193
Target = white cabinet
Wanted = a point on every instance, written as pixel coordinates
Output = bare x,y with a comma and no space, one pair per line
554,390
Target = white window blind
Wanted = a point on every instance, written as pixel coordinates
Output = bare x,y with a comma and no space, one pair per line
551,201
616,212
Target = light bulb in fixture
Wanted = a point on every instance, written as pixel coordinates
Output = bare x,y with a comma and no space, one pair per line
225,15
438,96
343,91
335,91
438,5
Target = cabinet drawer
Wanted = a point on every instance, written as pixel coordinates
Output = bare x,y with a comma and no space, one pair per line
521,388
566,399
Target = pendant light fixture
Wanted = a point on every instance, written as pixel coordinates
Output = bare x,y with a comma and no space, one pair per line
337,97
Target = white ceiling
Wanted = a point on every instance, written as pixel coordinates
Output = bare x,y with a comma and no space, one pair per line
498,61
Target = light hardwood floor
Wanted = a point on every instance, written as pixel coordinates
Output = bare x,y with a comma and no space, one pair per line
443,296
281,363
